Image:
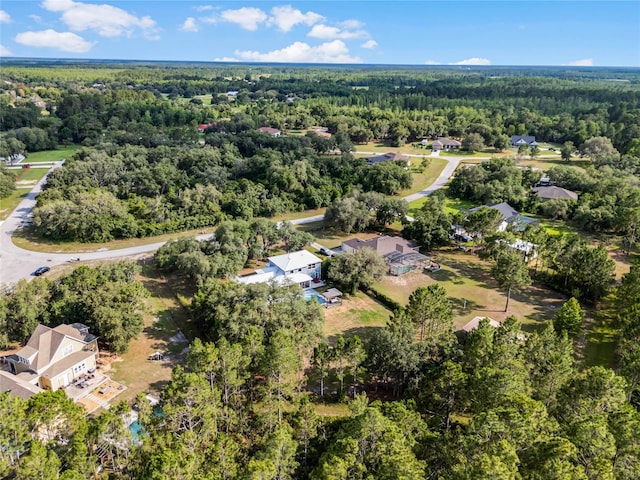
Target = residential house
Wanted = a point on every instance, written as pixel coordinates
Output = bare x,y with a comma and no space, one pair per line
554,193
388,157
321,132
401,255
232,93
274,132
475,322
204,126
518,140
301,267
52,358
445,144
510,217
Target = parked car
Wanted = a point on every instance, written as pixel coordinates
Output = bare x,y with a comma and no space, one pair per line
41,271
552,149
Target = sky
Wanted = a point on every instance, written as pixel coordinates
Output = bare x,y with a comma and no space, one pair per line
562,32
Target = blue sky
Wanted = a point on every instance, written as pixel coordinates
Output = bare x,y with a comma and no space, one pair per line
374,32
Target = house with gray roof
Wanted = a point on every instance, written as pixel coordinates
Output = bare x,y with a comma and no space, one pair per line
401,255
554,193
274,132
518,140
445,144
510,217
388,157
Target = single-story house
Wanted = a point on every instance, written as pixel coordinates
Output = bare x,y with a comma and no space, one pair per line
518,140
510,217
388,157
445,144
232,93
553,193
401,255
274,132
475,321
528,249
52,358
301,267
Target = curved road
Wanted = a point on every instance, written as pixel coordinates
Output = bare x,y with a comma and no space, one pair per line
17,263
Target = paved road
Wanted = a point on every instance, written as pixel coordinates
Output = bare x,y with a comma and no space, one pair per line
17,263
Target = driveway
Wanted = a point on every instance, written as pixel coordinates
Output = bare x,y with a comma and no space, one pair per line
17,263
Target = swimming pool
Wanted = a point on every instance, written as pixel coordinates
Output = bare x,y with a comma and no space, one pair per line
309,295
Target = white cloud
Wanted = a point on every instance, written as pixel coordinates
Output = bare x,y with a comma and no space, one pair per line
326,32
4,17
36,18
247,18
203,8
107,20
300,52
226,59
432,62
286,17
473,61
585,62
65,41
351,24
209,19
369,44
189,25
4,51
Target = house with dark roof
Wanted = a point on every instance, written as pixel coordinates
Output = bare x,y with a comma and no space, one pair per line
518,140
554,193
274,132
445,144
52,358
388,157
401,255
510,217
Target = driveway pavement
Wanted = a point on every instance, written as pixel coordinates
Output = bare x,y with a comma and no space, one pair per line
17,263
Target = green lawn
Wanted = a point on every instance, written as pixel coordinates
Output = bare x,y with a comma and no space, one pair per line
601,343
30,174
9,204
52,155
473,292
424,178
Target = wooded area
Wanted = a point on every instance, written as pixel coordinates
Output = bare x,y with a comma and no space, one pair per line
423,401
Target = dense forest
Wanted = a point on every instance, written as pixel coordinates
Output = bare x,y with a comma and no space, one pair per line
171,147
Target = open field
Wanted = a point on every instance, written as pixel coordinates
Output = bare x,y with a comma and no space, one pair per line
9,204
52,155
473,292
165,318
29,176
358,315
423,179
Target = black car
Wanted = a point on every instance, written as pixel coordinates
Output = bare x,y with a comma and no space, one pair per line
41,271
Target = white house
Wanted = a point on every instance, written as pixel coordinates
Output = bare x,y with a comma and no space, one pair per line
301,267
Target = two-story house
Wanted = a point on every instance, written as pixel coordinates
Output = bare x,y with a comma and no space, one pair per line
301,267
54,357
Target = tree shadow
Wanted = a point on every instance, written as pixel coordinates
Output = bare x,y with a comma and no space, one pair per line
461,306
365,333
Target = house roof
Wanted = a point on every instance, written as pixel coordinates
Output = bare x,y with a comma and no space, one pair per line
387,157
16,386
446,142
67,362
45,342
475,321
554,193
292,279
269,130
331,294
521,139
506,210
383,244
294,260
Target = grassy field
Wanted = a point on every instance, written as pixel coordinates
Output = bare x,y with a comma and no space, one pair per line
27,240
473,292
358,315
31,175
52,155
165,318
9,204
424,179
